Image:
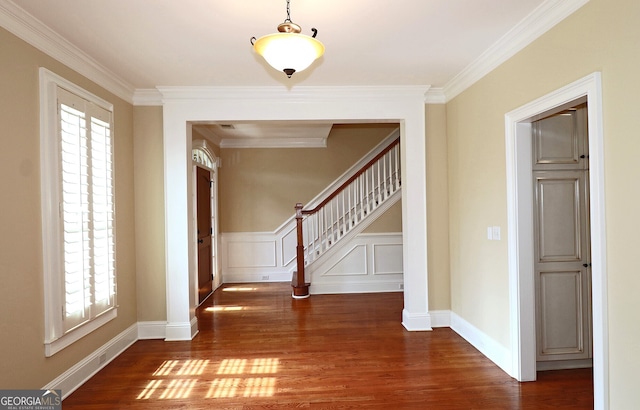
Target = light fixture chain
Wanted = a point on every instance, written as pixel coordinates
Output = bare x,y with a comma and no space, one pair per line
288,19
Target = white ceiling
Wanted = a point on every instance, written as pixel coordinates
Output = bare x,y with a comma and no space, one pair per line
266,134
136,45
152,43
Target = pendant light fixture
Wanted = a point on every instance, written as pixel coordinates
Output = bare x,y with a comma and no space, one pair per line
288,50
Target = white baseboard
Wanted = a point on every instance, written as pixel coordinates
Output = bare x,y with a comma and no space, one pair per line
194,327
493,350
262,275
416,322
354,287
82,371
152,330
440,318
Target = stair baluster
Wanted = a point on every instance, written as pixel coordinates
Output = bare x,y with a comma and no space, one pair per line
336,215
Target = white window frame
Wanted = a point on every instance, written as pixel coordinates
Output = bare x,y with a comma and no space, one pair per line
56,337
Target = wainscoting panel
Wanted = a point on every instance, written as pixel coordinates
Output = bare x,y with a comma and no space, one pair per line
366,263
386,260
353,263
255,257
252,253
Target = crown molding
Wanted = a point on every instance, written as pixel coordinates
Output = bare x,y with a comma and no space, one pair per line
157,96
33,31
265,141
538,22
23,25
147,96
300,142
435,96
296,94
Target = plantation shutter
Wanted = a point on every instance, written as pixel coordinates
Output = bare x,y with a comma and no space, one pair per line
87,209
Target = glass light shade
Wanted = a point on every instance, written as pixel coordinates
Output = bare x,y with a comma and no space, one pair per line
285,51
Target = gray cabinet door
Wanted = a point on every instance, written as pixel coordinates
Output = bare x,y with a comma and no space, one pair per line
560,141
562,239
563,294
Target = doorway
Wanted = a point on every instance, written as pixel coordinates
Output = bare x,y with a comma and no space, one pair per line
562,241
205,202
204,233
518,129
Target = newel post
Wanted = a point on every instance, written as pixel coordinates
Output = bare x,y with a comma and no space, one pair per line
300,287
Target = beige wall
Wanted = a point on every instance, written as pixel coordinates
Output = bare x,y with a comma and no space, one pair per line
390,221
21,294
437,207
258,188
601,36
149,210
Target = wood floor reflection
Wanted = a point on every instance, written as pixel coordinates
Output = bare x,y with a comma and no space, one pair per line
259,349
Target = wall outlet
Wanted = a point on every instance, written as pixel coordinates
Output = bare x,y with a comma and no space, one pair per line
103,358
401,286
265,277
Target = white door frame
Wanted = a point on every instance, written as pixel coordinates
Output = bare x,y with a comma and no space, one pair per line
520,230
183,106
213,173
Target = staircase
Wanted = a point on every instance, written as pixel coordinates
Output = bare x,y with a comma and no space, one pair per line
341,212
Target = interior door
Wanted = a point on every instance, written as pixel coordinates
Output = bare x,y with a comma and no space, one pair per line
562,243
204,232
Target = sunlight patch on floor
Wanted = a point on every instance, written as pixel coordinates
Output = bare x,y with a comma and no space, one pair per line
178,389
166,368
164,387
149,389
239,289
232,366
259,387
223,388
263,366
193,367
236,387
224,308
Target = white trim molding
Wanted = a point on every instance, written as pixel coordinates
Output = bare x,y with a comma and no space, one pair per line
489,347
22,24
187,105
440,318
82,371
435,96
55,336
538,22
33,31
520,230
147,97
152,330
180,331
415,322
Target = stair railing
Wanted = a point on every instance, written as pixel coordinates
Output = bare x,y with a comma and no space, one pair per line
320,228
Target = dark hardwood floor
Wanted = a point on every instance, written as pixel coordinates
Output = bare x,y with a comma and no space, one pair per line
258,348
